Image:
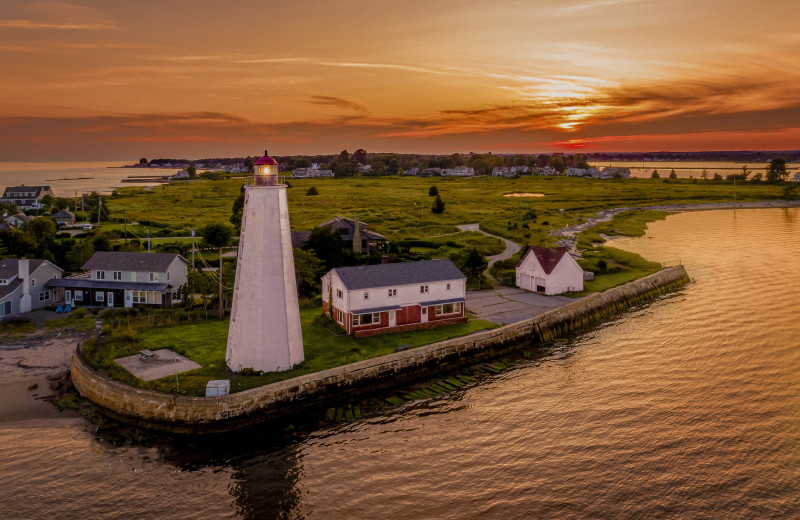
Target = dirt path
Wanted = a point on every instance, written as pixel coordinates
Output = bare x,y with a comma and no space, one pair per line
511,247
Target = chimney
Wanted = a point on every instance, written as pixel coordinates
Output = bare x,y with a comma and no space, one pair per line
357,237
384,258
23,270
23,266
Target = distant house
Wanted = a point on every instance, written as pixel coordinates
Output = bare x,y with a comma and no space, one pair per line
502,171
610,172
411,171
117,279
18,220
307,173
26,197
796,177
547,170
180,174
576,172
549,271
431,172
376,299
23,285
64,218
463,171
346,228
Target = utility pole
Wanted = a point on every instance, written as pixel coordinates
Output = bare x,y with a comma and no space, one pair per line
148,240
192,249
83,210
99,207
221,306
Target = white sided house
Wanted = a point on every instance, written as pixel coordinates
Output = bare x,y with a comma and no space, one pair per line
23,285
549,271
121,279
377,299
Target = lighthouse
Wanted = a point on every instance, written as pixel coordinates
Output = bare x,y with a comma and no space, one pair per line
265,317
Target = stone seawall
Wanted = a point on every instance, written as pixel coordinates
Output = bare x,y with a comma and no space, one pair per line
200,414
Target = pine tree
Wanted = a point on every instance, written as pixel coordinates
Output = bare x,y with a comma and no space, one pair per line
438,205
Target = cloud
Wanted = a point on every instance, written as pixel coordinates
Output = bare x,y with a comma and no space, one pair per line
60,16
337,102
33,24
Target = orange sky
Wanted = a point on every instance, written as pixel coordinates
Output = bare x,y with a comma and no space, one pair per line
197,78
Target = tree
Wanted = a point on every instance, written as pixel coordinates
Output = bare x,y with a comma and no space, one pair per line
433,191
557,163
704,175
41,228
438,205
328,247
238,210
312,191
673,175
717,176
48,200
655,175
471,262
192,171
80,253
757,178
102,243
360,156
307,270
393,166
776,171
143,161
218,235
344,157
447,162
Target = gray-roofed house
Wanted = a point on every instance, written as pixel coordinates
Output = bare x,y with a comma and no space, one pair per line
376,299
64,217
24,285
26,197
120,279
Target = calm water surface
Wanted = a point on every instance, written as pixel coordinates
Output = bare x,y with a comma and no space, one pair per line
685,408
67,179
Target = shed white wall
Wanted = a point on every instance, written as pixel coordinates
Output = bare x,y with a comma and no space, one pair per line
265,318
566,276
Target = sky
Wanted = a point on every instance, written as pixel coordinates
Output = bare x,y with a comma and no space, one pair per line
98,80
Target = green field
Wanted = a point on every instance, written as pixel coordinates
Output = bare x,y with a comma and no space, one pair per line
399,207
205,342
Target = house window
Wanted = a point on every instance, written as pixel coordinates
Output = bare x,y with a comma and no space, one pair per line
44,296
448,308
153,277
167,276
366,319
339,317
366,295
99,296
33,282
100,275
117,275
423,289
392,292
448,286
339,293
78,296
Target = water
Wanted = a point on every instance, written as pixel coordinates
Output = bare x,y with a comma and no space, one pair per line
67,179
685,408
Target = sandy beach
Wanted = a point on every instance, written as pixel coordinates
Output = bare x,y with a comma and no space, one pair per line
24,369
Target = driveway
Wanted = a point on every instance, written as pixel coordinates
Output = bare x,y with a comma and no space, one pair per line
506,305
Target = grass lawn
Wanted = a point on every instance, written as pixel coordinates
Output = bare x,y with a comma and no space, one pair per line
205,342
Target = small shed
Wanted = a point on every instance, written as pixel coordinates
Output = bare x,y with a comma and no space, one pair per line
64,218
549,271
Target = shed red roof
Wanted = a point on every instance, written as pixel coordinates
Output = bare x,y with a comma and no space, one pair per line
548,257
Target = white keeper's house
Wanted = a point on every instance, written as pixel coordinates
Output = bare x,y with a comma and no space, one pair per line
549,271
382,298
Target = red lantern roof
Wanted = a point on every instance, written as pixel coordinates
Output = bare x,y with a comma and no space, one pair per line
266,159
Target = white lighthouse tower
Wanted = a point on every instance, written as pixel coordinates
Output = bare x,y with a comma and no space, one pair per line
265,318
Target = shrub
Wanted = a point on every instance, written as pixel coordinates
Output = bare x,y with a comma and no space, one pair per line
433,191
312,191
438,205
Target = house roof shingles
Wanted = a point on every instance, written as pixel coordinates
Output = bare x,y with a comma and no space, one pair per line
9,267
548,257
404,273
121,261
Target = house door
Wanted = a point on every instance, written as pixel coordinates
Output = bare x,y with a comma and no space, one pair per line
68,297
424,315
392,318
110,296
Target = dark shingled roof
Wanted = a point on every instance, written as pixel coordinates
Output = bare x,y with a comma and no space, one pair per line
116,261
405,273
9,267
548,256
64,213
5,290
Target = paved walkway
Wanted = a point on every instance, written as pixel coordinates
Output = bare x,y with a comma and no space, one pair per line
511,247
510,304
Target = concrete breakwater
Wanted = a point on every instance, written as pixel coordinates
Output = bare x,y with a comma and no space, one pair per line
184,414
